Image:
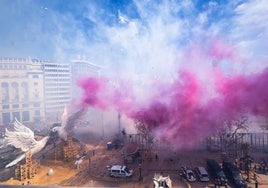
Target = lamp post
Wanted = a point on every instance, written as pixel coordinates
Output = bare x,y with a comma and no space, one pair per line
119,123
89,163
140,176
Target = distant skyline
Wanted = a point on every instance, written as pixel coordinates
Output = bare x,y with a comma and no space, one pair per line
140,35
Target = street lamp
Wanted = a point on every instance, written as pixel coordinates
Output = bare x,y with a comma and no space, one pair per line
140,176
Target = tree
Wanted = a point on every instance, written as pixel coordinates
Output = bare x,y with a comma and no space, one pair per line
265,125
230,133
145,128
233,128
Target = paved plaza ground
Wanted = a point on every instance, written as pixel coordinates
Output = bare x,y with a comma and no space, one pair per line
93,172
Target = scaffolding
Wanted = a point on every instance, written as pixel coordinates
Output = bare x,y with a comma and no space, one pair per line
27,170
69,152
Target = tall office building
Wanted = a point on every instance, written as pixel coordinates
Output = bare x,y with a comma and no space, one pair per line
21,91
57,89
82,68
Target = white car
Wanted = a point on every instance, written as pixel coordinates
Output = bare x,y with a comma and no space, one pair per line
120,171
188,174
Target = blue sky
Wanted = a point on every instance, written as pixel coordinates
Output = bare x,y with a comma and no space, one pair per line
140,35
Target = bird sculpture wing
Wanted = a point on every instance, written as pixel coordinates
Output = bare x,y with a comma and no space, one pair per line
67,122
22,137
72,119
64,116
19,127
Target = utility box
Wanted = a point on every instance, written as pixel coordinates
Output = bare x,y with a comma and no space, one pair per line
109,145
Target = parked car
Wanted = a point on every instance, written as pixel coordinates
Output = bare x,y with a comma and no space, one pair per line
216,173
233,174
202,174
188,174
120,171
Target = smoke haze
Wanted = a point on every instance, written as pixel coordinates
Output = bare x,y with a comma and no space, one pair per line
187,66
185,108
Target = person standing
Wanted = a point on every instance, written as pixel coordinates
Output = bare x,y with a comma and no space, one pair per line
89,163
256,184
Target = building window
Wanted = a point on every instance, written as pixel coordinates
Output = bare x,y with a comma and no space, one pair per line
6,118
36,94
15,106
25,116
24,91
5,106
15,91
37,112
35,76
5,92
25,105
16,115
36,104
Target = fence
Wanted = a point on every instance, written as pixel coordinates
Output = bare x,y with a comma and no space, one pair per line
256,141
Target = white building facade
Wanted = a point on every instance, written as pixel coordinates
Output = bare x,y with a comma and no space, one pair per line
57,89
21,90
32,90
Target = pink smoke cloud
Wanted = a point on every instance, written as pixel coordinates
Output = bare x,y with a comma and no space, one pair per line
220,50
177,112
103,94
92,89
246,93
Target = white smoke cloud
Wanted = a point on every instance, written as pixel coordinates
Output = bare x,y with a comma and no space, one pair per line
141,42
250,32
141,36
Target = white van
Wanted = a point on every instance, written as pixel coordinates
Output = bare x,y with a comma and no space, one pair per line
120,171
202,174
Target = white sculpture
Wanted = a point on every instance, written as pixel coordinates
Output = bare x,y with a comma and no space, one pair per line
161,181
23,138
79,160
50,172
61,130
67,123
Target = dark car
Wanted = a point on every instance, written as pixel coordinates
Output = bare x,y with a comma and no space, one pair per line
202,174
216,173
188,174
233,174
